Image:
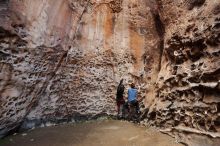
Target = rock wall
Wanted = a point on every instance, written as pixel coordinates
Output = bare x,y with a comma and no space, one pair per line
62,60
188,87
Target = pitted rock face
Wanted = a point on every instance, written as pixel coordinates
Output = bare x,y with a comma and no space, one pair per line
62,60
188,84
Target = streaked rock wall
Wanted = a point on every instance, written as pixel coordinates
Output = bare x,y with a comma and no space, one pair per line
62,60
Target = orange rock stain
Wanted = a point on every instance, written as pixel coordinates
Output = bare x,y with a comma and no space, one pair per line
137,44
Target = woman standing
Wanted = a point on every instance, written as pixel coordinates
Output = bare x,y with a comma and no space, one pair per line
120,98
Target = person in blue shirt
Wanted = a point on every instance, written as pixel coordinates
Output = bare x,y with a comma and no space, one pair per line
132,97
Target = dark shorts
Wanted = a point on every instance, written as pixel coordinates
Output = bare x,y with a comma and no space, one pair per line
120,101
133,102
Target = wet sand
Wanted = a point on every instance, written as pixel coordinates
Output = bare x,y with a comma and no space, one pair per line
94,133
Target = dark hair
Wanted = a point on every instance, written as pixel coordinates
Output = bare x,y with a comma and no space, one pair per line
132,85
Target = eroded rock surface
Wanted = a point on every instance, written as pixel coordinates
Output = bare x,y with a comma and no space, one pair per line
62,60
188,85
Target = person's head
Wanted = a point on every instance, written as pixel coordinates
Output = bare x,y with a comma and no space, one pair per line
132,85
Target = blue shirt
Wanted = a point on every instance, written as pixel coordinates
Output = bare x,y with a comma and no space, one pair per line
132,94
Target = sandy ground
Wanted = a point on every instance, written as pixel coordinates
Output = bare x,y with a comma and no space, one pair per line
96,133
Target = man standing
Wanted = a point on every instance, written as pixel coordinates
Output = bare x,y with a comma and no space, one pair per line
132,97
120,98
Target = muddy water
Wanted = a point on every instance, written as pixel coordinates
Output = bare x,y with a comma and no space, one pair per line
96,133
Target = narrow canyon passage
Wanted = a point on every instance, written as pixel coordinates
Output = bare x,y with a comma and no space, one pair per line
93,133
62,60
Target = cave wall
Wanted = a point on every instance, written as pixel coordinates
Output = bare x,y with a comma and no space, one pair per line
188,86
62,60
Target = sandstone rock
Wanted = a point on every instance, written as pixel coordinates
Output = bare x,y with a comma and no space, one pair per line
61,61
189,77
